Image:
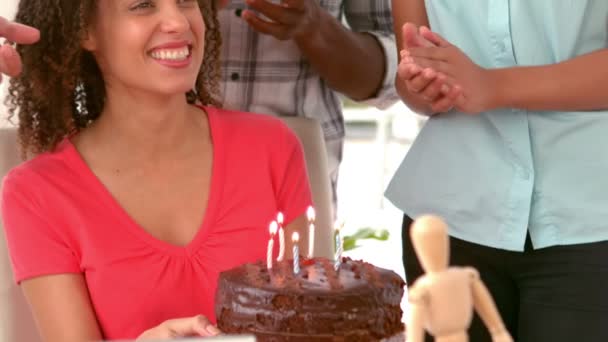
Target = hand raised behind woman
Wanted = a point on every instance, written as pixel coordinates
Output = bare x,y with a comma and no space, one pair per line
10,62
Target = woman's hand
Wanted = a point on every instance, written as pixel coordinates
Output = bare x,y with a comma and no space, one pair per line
181,327
425,84
447,59
428,86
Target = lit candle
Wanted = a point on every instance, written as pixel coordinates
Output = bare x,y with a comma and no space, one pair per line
310,214
338,255
296,253
273,230
280,219
311,240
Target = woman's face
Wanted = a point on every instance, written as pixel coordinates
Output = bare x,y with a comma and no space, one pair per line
148,45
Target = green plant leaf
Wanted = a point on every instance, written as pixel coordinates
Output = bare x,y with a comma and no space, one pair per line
350,241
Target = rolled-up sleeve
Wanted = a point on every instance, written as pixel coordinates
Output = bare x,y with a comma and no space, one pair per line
374,17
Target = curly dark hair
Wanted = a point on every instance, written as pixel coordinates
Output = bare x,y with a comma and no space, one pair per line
61,90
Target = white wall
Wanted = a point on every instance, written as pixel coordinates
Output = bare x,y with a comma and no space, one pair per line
7,10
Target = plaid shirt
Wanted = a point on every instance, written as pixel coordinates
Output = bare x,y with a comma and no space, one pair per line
265,75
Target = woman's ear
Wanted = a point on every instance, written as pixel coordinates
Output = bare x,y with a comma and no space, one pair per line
89,43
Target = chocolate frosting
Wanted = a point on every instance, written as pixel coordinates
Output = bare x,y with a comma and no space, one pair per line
359,302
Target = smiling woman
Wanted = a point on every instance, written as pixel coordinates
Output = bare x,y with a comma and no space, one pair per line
137,189
76,66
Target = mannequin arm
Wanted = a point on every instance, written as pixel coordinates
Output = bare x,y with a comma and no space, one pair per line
415,325
486,309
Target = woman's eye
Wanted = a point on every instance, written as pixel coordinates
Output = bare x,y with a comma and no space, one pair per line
141,5
185,2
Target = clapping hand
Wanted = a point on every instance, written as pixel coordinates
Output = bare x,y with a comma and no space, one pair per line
10,62
430,86
447,59
288,19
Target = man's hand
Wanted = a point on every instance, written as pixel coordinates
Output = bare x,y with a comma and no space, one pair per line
478,88
288,19
10,63
219,4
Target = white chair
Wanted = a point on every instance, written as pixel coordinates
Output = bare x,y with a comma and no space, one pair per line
16,321
311,136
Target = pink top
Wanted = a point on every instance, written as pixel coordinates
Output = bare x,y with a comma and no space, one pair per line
59,218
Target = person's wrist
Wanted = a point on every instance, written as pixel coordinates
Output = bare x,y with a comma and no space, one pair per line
311,33
497,88
310,36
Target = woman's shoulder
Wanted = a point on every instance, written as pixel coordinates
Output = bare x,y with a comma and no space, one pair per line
248,120
248,124
39,169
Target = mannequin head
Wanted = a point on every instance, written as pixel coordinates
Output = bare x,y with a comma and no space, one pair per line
430,239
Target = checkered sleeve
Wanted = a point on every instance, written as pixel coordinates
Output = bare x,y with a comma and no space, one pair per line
374,17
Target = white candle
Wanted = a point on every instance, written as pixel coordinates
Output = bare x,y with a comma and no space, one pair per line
273,230
280,219
338,255
296,253
311,240
310,215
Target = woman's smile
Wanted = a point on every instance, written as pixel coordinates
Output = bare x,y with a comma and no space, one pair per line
173,55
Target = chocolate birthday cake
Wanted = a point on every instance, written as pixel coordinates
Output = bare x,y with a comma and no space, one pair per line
358,302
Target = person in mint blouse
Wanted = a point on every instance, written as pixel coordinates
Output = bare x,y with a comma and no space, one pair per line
514,155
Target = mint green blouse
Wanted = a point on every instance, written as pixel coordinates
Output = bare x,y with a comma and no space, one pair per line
497,175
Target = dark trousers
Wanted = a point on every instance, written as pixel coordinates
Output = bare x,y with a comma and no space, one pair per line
551,294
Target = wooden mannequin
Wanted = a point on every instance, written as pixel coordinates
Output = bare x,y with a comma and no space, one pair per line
442,300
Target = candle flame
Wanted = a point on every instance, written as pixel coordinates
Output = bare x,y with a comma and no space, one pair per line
280,218
295,237
273,227
310,213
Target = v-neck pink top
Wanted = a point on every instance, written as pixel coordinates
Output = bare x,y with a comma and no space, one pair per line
59,218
